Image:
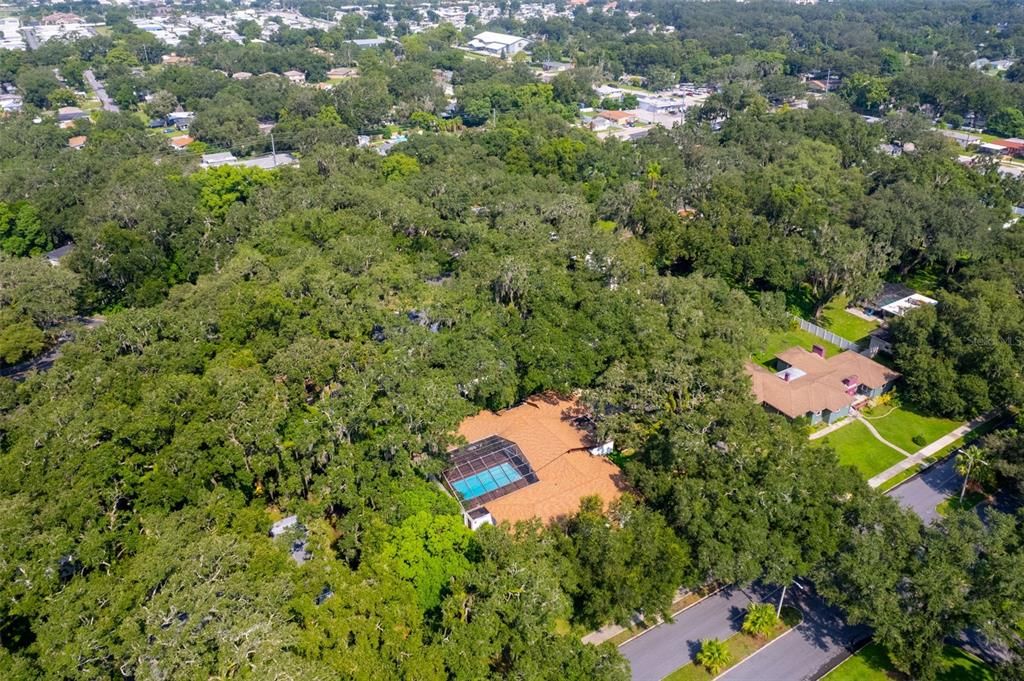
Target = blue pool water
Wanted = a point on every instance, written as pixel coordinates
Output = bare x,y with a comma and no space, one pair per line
486,481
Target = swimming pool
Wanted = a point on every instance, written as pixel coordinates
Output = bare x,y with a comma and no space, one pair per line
486,481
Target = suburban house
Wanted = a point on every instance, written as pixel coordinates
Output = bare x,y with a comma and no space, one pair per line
962,138
499,45
78,141
181,142
895,300
618,117
297,77
217,159
241,75
535,460
824,390
70,113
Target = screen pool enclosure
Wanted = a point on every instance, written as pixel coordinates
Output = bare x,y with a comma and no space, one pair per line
488,469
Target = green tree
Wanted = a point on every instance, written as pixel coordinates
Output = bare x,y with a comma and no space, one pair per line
1007,122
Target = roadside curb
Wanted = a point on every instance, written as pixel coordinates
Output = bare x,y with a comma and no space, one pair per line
766,646
678,612
864,644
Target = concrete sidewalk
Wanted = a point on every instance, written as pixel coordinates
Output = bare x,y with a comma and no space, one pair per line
928,450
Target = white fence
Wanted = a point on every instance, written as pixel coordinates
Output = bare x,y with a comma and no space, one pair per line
827,335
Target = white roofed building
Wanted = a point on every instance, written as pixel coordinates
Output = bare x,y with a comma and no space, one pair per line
499,45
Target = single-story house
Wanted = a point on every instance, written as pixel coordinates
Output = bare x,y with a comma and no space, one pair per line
610,92
70,113
536,460
501,45
368,42
962,138
618,117
78,141
180,119
895,300
218,159
297,77
181,142
241,75
807,384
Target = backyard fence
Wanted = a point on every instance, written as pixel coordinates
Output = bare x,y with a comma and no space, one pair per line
827,335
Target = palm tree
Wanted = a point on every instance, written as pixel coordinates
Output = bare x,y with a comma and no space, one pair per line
760,619
966,461
714,655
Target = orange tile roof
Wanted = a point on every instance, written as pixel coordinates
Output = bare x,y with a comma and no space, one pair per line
556,450
821,387
181,141
77,141
617,115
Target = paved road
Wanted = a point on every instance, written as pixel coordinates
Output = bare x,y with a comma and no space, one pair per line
821,641
100,91
660,651
923,494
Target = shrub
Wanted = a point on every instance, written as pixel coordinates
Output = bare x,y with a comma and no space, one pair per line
760,619
919,440
714,655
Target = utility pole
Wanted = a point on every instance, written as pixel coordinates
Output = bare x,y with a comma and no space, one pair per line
273,149
778,611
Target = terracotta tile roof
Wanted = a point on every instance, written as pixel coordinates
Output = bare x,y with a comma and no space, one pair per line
181,141
77,141
557,451
821,387
617,116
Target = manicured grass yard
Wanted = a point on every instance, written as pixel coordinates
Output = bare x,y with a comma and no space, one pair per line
834,317
872,664
899,425
777,342
857,447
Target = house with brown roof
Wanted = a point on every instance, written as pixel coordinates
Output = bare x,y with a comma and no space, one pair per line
536,460
78,141
820,388
181,142
618,117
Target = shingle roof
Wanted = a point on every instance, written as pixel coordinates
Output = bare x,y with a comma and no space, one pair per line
818,384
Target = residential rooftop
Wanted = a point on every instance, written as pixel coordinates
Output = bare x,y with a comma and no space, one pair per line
530,461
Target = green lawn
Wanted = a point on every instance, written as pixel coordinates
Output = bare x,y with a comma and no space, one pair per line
872,664
777,342
834,317
857,447
971,499
900,425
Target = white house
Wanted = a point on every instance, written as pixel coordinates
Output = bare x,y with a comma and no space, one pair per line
499,45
